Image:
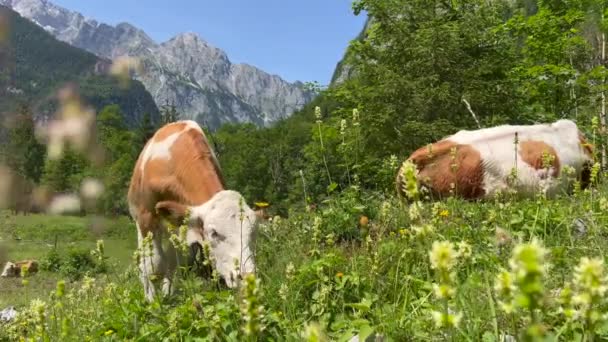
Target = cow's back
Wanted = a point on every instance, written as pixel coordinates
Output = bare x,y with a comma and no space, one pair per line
478,162
176,164
537,146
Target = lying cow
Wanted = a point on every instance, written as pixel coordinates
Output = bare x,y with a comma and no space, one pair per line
478,164
177,178
15,269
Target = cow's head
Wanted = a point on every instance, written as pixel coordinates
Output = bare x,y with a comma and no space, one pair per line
227,223
9,270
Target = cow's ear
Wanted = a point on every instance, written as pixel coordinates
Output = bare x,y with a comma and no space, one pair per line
172,211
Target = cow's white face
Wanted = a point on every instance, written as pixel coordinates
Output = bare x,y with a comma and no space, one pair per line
226,223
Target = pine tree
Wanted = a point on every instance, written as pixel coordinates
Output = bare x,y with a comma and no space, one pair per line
169,113
145,130
121,146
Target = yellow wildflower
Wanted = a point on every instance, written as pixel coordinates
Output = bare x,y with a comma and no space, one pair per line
443,255
464,249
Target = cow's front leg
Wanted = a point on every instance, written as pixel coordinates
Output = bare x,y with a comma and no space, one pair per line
172,259
152,265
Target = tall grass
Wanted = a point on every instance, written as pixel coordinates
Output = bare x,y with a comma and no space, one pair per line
365,263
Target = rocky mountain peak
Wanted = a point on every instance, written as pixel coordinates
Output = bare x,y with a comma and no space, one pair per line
185,70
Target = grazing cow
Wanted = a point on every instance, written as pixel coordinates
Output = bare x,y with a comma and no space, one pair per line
177,178
262,214
14,269
478,164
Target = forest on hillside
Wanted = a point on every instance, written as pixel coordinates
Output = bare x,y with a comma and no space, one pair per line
34,66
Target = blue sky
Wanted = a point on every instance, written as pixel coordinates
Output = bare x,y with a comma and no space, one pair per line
297,40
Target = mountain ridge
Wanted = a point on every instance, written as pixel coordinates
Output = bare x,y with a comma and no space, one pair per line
35,66
185,70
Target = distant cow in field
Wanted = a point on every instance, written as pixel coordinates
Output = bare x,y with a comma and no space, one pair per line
477,164
262,214
261,211
14,269
177,178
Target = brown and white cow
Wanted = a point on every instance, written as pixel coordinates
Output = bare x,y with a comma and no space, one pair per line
177,178
262,214
477,164
13,269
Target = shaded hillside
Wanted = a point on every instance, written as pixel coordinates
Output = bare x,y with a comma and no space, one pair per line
34,65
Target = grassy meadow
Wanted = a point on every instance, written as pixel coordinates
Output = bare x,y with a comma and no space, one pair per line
347,257
444,270
35,236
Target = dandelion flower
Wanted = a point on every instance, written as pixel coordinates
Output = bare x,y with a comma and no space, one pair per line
261,204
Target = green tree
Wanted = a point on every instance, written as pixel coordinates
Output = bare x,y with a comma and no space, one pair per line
66,173
23,153
416,68
594,29
145,130
561,68
551,59
121,147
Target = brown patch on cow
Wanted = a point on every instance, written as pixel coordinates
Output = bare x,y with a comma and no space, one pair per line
428,153
588,148
445,166
168,130
199,139
173,211
189,178
532,153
